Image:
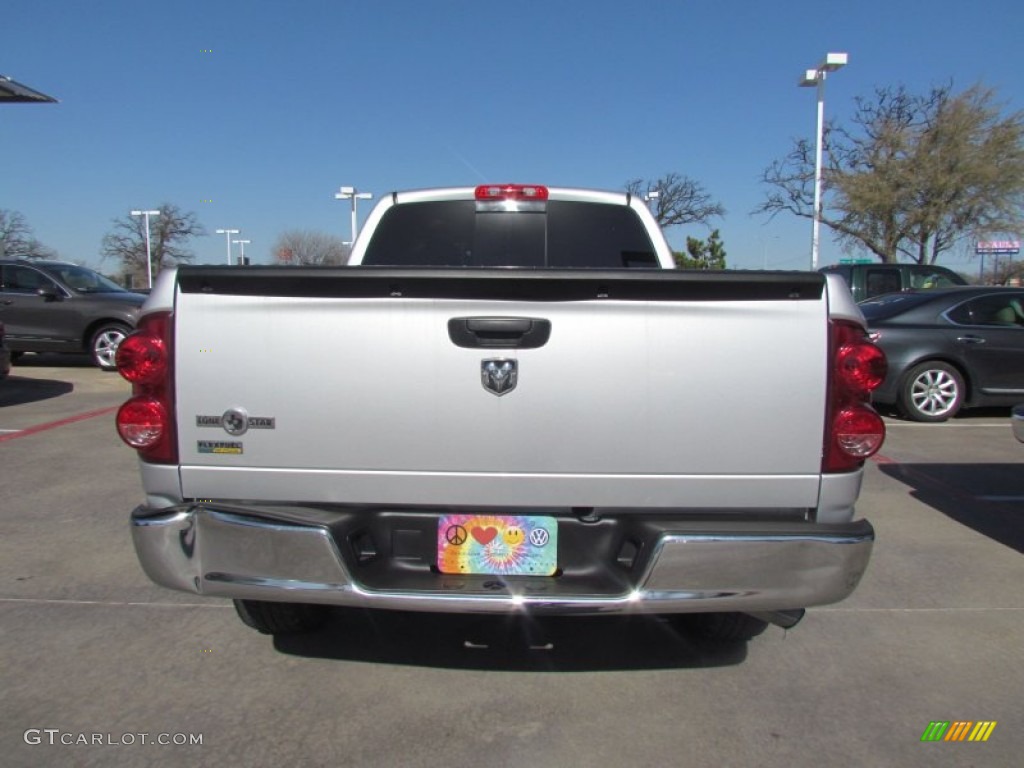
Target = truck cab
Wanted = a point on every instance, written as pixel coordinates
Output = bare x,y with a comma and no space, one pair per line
869,280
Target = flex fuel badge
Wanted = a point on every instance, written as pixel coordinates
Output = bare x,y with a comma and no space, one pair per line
217,446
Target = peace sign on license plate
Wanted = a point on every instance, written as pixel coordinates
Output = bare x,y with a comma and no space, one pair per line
514,545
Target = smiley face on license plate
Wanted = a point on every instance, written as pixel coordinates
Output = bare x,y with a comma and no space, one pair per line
497,544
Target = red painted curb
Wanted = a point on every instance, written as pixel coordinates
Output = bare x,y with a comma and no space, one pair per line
59,423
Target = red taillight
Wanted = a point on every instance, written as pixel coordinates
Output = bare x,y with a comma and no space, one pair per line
142,422
142,358
861,366
858,431
523,192
146,422
854,431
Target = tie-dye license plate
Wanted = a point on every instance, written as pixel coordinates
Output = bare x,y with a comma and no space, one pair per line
506,545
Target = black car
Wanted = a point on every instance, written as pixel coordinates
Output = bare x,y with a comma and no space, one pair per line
949,348
5,354
51,306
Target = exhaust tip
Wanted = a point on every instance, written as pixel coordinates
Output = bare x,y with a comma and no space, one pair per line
784,619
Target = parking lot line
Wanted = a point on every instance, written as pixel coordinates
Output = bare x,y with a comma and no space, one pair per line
59,423
943,425
127,603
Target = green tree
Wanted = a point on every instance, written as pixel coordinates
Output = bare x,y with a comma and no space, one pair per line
679,200
169,234
702,254
912,175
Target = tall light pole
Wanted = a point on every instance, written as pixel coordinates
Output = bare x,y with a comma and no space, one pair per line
227,236
241,244
350,193
149,259
816,78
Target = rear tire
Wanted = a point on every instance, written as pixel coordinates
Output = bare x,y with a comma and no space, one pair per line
932,391
280,618
723,627
104,343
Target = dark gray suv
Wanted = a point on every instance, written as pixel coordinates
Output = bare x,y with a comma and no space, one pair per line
50,306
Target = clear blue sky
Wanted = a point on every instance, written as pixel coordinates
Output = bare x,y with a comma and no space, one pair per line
298,98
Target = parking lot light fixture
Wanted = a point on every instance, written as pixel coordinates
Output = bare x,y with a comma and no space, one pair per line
227,236
241,254
351,193
815,78
149,259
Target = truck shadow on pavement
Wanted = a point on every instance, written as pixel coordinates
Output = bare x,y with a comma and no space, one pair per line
53,360
989,498
16,390
511,644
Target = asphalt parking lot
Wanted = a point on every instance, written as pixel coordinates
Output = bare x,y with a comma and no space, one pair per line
89,648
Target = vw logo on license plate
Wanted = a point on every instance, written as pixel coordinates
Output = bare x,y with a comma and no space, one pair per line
499,376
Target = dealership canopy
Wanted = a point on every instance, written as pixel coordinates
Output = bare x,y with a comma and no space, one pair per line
13,92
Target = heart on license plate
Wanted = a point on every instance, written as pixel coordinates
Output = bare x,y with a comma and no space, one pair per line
519,545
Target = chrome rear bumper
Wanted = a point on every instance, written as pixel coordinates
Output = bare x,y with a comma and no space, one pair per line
297,555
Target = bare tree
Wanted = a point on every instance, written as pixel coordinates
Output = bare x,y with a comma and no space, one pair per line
912,176
1005,271
17,241
680,200
168,234
302,247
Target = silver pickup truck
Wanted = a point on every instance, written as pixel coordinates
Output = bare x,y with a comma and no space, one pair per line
509,401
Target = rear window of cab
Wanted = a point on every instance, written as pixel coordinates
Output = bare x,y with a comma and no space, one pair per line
557,233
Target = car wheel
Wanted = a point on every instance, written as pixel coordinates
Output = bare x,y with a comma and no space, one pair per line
931,391
280,618
722,627
104,344
16,356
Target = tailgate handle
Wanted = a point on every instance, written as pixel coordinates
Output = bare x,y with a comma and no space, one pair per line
499,332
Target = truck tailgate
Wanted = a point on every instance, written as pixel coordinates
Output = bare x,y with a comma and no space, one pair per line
666,390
